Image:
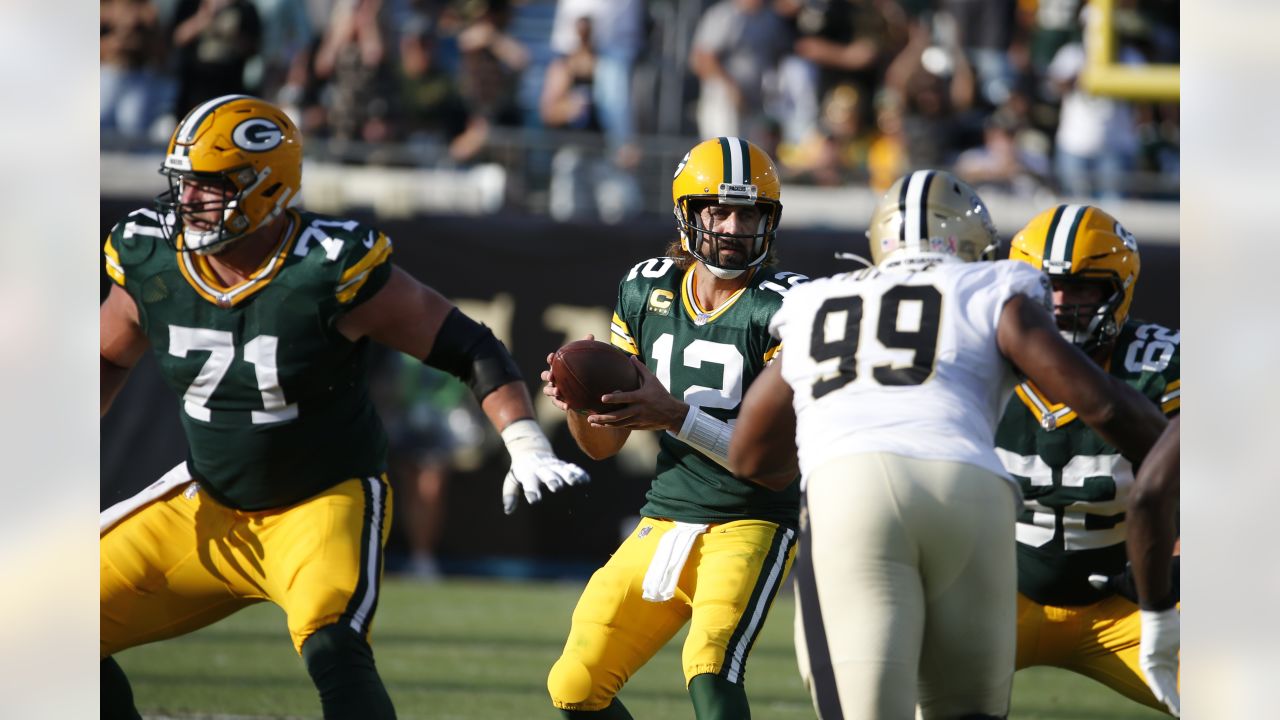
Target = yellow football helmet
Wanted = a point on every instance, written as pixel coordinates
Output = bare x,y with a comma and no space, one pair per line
249,145
928,216
1081,243
726,171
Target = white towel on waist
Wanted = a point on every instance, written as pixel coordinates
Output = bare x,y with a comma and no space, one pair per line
170,480
668,560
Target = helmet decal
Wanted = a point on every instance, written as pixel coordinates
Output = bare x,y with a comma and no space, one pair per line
683,161
257,135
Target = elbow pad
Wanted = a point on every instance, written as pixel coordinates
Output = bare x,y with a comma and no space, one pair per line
468,350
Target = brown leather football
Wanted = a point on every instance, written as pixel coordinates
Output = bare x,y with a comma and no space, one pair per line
583,370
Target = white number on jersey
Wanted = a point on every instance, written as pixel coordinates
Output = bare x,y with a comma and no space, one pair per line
789,277
1152,350
259,352
728,395
332,246
651,268
1076,535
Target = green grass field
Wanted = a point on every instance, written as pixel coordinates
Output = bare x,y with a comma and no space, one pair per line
481,649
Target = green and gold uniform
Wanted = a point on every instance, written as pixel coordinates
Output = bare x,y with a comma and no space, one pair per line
734,568
1076,489
290,503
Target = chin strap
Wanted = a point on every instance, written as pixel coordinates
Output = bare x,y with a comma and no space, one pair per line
706,434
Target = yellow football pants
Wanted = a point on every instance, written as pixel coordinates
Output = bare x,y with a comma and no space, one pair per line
1099,641
725,590
186,561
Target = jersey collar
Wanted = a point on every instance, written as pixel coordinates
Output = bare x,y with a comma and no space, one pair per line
1049,414
689,299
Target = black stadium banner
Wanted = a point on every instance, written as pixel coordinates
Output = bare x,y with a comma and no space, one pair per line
538,283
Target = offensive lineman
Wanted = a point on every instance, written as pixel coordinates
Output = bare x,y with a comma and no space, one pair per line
891,385
260,316
709,550
1075,484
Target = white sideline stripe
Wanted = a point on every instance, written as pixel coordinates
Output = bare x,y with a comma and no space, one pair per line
371,560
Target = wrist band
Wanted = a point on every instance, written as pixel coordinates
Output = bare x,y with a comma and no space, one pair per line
706,434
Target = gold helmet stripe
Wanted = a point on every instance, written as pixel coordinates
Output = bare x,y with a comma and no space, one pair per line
187,131
1062,238
915,221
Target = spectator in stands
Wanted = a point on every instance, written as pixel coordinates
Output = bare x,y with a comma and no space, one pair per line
1096,145
617,39
287,32
935,85
586,182
131,47
836,152
429,113
213,40
1001,162
985,31
851,42
567,98
887,157
353,62
735,45
491,63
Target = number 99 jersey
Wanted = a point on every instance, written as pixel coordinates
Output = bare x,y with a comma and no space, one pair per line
902,361
707,359
274,400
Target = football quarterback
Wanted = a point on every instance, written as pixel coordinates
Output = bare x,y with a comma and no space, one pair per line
709,550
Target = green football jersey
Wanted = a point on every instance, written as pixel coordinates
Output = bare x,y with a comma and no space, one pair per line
1075,486
708,359
273,399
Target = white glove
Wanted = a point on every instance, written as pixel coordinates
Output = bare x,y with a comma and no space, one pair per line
533,464
1158,655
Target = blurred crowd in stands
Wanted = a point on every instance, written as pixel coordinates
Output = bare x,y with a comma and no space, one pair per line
839,91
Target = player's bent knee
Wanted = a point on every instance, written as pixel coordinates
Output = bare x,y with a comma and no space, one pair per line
570,684
333,647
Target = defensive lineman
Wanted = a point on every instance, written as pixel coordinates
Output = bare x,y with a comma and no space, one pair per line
893,378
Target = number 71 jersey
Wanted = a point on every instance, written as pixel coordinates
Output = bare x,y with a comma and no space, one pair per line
274,400
902,361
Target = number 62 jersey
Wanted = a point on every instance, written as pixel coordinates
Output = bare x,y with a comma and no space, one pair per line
274,400
902,361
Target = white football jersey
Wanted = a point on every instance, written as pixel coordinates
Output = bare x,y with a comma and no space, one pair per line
903,361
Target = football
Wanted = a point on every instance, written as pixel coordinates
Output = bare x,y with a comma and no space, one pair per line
584,370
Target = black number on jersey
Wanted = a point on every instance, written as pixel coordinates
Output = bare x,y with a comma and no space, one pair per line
846,348
923,341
